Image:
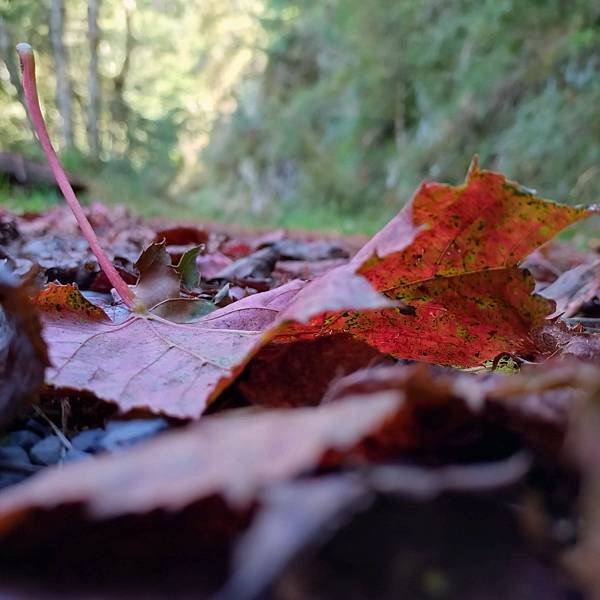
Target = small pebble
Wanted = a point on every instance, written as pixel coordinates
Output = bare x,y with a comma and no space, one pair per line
23,438
47,451
87,441
74,455
120,434
14,454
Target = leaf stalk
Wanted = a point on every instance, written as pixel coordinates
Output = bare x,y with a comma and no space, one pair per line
27,59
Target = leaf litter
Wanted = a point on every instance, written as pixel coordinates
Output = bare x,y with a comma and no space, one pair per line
285,347
217,322
463,318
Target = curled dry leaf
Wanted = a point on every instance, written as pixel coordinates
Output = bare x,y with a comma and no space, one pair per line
574,288
449,260
158,279
258,265
553,259
148,363
23,356
159,283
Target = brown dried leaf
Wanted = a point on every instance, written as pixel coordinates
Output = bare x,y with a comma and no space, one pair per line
574,288
299,374
230,456
146,363
537,402
23,356
158,280
584,445
258,265
561,341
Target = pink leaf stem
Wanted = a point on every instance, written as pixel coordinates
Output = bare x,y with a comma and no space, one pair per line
27,59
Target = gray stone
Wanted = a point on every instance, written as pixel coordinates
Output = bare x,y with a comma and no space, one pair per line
74,455
87,441
14,454
23,438
47,451
120,434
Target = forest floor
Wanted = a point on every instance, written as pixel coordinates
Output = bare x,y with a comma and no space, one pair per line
274,428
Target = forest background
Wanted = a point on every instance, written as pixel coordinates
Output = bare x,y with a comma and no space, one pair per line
314,113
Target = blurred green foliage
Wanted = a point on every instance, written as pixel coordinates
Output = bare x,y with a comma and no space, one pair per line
328,113
360,101
167,71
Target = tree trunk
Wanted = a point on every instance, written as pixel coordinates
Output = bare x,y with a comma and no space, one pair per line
8,55
93,109
61,66
119,110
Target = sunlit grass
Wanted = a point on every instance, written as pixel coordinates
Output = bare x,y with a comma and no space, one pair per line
23,200
119,189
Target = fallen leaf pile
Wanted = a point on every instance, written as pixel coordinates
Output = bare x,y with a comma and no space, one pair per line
309,387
